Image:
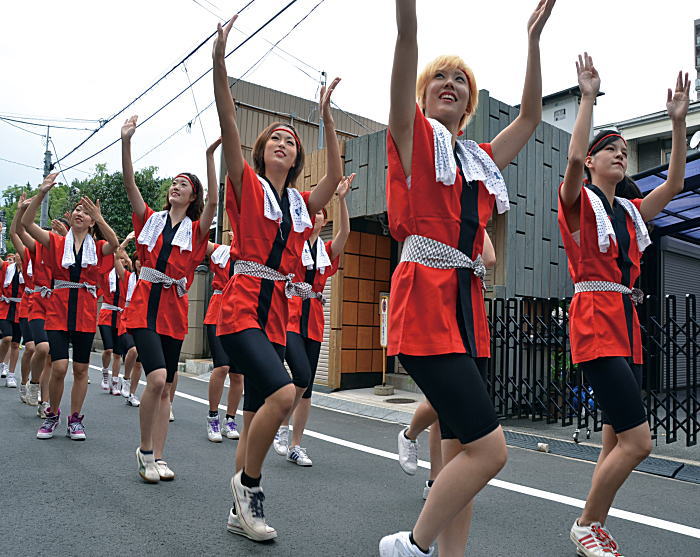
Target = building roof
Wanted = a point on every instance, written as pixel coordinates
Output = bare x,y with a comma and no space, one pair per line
660,116
575,90
681,217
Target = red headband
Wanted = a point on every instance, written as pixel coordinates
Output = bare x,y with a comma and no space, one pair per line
186,177
290,131
601,139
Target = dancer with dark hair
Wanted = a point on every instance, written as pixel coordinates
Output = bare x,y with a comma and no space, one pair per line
271,220
132,367
11,284
602,223
170,244
440,195
71,315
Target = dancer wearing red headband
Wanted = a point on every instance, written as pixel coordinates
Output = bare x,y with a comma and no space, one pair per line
221,259
602,226
271,221
170,244
319,262
440,196
76,262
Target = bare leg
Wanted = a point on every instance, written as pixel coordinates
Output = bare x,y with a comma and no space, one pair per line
38,361
80,385
116,366
129,361
26,361
45,378
243,441
235,391
216,387
14,356
5,347
162,421
173,389
135,377
465,474
298,391
301,416
263,427
633,446
435,443
150,402
106,357
57,377
422,418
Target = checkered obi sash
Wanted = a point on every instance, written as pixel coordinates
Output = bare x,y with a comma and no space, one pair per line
156,277
10,300
110,307
66,284
635,294
254,269
434,254
44,291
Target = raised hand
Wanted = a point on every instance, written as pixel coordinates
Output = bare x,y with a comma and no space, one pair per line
92,209
325,101
219,49
213,147
588,78
344,186
129,127
49,182
130,236
677,102
539,17
58,227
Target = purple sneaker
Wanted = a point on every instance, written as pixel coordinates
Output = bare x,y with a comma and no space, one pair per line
50,424
76,429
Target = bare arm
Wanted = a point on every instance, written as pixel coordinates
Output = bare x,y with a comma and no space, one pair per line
324,190
402,108
33,229
589,83
130,236
507,144
489,254
93,209
118,265
677,107
225,107
338,244
14,236
138,206
212,191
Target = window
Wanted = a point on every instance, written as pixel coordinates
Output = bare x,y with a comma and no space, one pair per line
560,114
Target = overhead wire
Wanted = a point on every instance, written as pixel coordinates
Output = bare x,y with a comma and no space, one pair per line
258,30
20,163
6,119
45,119
149,88
194,99
9,123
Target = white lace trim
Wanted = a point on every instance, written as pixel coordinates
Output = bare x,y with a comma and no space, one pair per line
322,259
476,164
221,255
604,227
130,287
89,251
297,207
154,227
112,280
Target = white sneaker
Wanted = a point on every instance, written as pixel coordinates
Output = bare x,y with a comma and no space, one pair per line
230,429
426,491
147,467
126,388
233,525
3,369
408,453
41,409
214,429
11,382
32,394
23,393
165,473
172,417
105,380
116,388
399,545
249,504
133,401
297,455
593,541
281,442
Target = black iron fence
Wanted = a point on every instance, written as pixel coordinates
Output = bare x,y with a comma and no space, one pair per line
531,374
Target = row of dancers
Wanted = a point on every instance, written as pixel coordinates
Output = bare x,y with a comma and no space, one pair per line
268,286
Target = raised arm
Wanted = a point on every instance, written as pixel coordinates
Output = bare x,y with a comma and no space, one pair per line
34,230
589,83
324,190
138,206
212,191
402,108
338,244
27,240
507,144
130,236
93,209
225,107
118,265
677,108
14,236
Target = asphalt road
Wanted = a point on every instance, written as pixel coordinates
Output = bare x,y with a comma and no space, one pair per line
61,497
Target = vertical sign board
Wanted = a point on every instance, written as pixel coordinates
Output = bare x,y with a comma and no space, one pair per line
383,318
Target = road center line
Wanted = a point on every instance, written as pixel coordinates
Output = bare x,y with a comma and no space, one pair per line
522,489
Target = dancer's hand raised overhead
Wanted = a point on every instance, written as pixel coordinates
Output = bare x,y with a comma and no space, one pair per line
588,78
678,100
129,127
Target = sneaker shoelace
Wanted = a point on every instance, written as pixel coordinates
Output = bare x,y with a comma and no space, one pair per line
231,425
49,422
214,424
256,504
301,451
77,427
605,540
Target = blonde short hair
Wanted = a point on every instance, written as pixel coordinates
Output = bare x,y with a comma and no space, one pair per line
448,63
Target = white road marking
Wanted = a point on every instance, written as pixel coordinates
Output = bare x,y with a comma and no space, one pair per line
525,490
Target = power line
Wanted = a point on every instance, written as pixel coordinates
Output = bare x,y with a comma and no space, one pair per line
20,127
194,99
131,103
217,16
279,13
44,119
6,119
20,163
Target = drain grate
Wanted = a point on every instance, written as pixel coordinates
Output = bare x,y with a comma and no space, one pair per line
400,400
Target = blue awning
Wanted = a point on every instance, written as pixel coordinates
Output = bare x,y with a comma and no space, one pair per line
681,217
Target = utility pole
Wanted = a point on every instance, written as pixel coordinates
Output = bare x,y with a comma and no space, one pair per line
43,220
320,116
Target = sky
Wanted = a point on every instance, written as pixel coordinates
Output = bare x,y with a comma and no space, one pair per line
86,60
